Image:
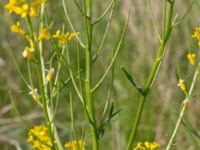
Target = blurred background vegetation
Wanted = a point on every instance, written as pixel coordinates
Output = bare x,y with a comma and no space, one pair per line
136,55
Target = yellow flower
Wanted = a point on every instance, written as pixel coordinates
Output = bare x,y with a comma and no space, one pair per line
62,38
139,146
34,94
75,145
72,35
181,85
146,146
39,138
151,146
35,7
28,53
44,35
191,57
49,75
17,28
13,5
34,11
20,7
24,10
196,34
57,34
38,3
10,7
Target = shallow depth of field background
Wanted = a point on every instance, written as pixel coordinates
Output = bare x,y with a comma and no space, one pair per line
136,55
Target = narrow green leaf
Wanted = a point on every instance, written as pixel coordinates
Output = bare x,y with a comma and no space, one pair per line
133,82
191,129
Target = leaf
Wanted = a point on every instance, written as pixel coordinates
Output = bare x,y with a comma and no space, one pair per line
191,129
133,82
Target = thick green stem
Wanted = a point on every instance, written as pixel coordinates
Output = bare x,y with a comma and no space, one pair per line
88,83
152,77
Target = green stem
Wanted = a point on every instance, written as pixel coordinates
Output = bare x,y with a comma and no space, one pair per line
47,100
152,77
46,106
88,83
73,122
29,73
184,107
40,81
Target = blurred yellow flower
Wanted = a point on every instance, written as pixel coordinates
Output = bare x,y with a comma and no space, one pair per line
13,6
139,146
34,11
75,145
57,34
39,138
17,28
44,35
28,53
196,34
20,7
191,57
35,7
34,94
63,38
23,11
181,85
72,35
151,146
49,75
147,146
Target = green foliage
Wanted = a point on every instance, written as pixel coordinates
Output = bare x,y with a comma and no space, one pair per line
136,53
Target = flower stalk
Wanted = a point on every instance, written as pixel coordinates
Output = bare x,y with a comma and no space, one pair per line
184,107
154,72
48,108
41,85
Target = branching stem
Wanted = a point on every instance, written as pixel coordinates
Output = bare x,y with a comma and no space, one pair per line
153,75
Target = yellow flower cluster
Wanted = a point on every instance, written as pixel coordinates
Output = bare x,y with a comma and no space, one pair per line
28,50
25,9
191,57
181,84
147,146
62,38
22,8
75,145
39,138
197,34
